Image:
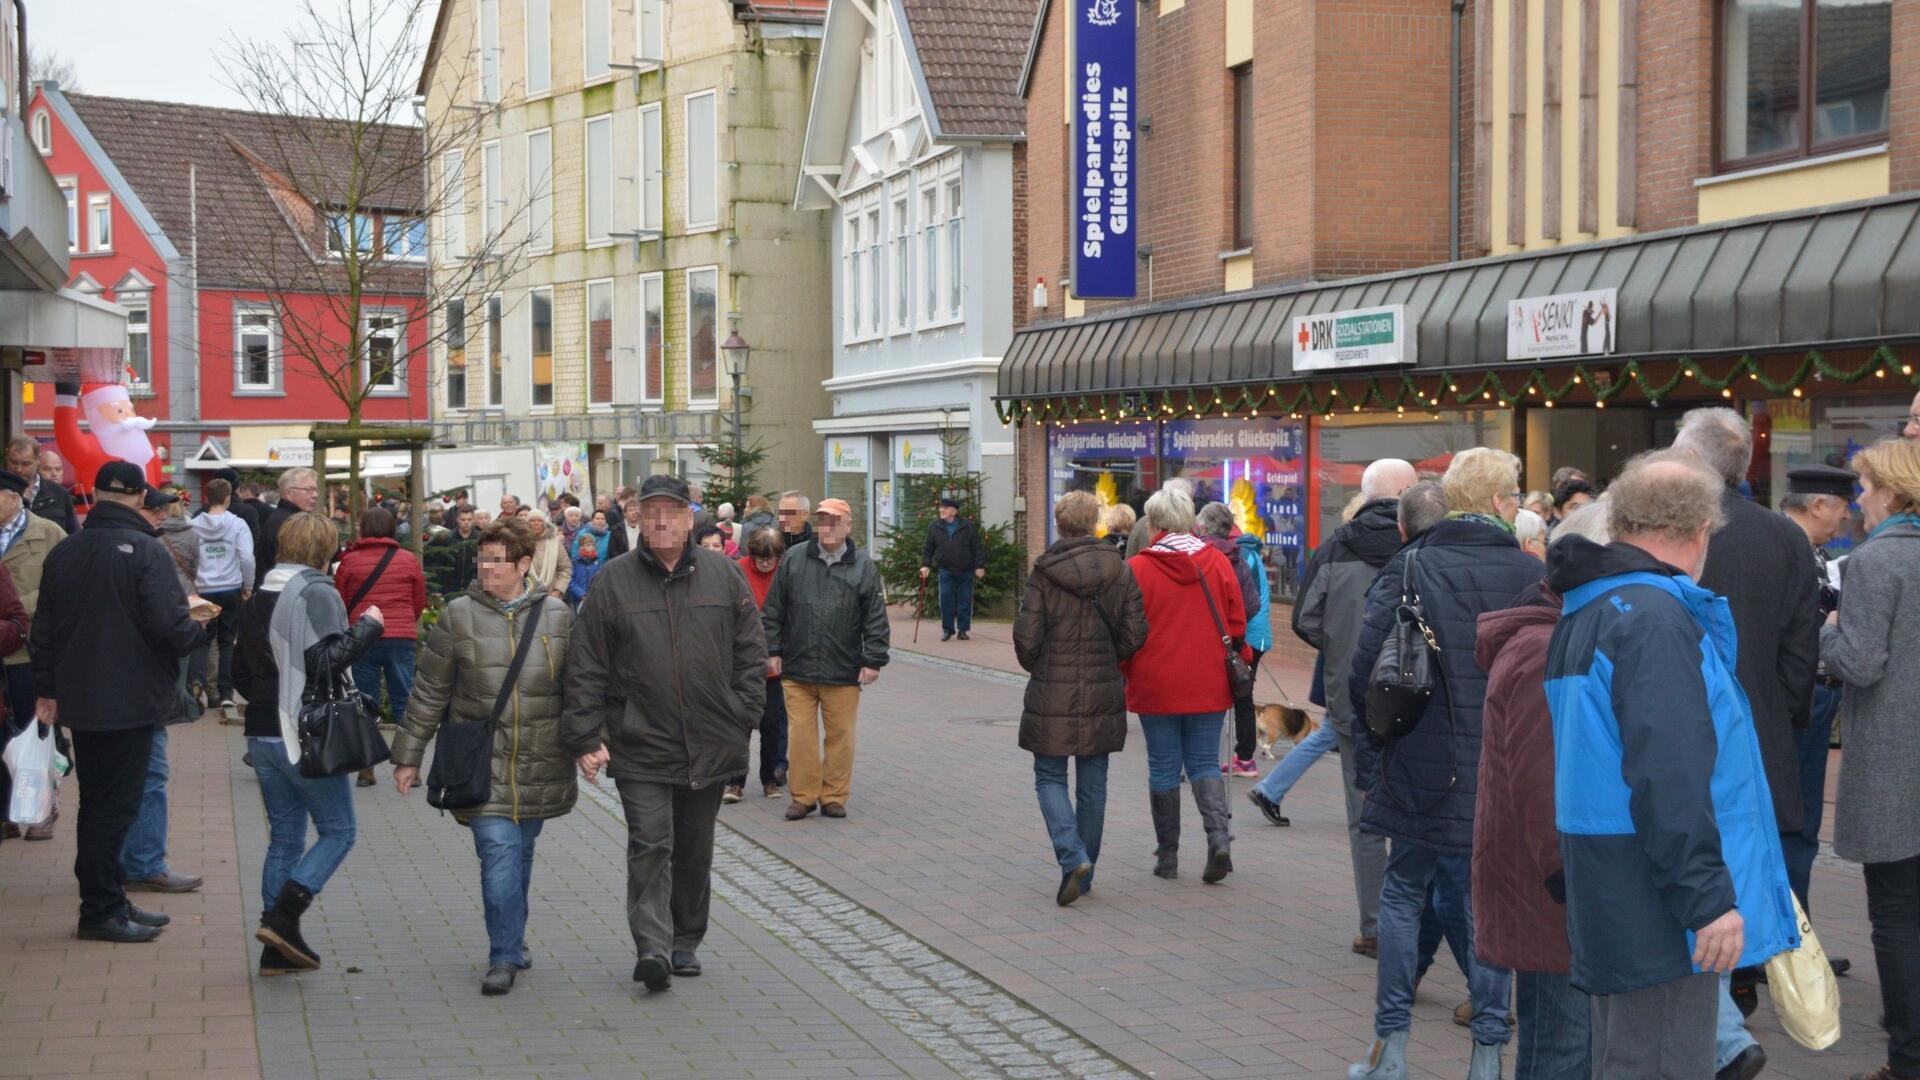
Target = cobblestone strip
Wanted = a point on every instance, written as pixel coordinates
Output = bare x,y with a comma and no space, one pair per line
968,1023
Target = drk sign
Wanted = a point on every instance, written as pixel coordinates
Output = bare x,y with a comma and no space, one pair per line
1103,233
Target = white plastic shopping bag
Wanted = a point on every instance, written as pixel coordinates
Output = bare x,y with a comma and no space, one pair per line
1805,995
29,756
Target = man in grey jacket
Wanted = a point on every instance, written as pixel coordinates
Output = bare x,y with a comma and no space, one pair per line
827,634
666,675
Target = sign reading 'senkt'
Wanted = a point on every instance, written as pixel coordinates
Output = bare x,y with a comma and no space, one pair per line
1102,151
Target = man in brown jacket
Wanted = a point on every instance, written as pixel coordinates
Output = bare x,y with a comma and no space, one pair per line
666,676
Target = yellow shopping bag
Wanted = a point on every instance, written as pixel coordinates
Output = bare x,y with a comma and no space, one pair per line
1805,994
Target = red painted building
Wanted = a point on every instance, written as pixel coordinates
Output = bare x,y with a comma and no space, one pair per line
193,219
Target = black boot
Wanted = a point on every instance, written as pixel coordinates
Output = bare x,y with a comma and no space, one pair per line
272,963
280,927
1166,830
1210,795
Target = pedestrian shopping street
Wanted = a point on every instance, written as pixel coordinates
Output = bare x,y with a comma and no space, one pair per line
918,937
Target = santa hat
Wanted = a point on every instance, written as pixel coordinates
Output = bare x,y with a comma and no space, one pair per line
94,396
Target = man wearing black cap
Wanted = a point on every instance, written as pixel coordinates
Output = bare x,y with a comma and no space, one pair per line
953,547
1817,500
666,675
107,646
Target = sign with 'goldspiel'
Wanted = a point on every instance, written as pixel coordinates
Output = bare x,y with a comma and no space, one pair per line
1363,337
1570,324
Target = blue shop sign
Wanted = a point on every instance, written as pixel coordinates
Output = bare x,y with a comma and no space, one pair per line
1124,441
1103,118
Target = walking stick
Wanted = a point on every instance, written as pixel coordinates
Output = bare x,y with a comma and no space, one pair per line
919,605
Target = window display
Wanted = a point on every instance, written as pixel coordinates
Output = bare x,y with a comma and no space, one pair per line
1255,466
1114,461
1343,447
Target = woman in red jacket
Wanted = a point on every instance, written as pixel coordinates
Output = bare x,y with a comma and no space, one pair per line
1177,682
763,548
375,571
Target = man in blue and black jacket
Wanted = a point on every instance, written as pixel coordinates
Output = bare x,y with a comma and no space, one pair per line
1673,870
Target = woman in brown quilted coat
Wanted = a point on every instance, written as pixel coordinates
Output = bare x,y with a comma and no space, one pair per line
459,678
1081,615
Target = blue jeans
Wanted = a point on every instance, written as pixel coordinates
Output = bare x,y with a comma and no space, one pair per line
391,659
1074,824
1810,748
1189,739
1410,868
1298,760
144,855
1730,1036
505,848
292,800
1556,1027
956,600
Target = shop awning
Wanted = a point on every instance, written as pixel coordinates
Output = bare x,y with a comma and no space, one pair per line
67,319
1835,277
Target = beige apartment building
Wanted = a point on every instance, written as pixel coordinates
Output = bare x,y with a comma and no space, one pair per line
633,174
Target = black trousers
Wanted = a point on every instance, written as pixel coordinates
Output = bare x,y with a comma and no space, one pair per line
112,766
669,863
1893,909
1243,733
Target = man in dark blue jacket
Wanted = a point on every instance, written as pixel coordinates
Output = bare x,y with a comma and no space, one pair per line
1672,864
953,547
1421,787
107,642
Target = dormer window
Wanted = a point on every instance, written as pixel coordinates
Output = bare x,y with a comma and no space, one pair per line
361,227
43,132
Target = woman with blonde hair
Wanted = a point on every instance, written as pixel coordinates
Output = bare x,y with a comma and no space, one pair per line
1119,519
1872,645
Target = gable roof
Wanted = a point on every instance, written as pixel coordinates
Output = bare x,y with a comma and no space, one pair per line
252,175
968,54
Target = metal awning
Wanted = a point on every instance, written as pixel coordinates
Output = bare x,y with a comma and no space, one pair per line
67,319
1835,277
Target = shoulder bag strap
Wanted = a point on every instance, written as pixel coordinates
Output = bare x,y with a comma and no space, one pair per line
1226,639
367,585
519,661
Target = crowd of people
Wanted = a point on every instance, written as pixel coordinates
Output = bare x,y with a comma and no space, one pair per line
1606,799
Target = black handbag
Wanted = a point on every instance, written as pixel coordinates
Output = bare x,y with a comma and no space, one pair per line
338,735
1403,677
462,774
1239,672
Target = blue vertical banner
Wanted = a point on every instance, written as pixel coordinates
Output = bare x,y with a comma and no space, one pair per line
1104,33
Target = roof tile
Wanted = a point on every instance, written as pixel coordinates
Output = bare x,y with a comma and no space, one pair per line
971,52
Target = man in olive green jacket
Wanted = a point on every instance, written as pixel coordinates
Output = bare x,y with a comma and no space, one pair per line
666,676
25,539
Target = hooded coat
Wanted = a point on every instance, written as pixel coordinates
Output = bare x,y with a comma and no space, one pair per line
1333,597
1081,617
1182,667
1519,905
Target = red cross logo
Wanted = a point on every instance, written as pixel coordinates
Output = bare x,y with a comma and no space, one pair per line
1304,336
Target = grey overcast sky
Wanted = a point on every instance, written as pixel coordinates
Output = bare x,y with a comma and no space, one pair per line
164,51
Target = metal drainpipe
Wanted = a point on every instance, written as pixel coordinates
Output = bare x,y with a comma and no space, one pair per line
26,81
1453,139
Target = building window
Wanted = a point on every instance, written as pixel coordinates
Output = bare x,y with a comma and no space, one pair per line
43,132
703,316
1802,77
453,204
383,354
854,278
876,280
539,47
496,381
491,198
99,223
456,350
406,237
540,191
257,351
1242,157
600,180
930,225
703,162
540,334
599,39
139,341
652,33
599,342
902,260
339,226
653,323
652,189
489,50
955,248
72,194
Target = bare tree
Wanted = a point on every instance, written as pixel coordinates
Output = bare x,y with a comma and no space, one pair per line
336,138
46,65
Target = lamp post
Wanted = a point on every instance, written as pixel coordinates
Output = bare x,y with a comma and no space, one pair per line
736,350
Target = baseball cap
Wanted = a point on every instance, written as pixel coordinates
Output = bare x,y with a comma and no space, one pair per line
14,482
122,478
837,507
664,487
159,497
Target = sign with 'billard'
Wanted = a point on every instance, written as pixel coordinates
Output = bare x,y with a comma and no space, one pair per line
1363,337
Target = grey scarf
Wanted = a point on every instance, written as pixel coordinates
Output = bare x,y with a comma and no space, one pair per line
291,633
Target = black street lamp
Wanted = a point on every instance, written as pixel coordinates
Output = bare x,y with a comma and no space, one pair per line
736,350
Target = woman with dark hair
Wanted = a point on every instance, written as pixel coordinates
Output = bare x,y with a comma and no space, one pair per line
764,547
375,571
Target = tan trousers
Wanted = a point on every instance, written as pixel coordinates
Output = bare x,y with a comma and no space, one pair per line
814,777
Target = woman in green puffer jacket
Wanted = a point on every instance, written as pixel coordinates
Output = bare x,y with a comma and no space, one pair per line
458,680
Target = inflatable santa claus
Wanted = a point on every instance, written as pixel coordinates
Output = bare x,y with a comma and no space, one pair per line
113,431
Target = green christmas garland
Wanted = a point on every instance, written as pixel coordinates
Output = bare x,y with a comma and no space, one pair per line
1399,392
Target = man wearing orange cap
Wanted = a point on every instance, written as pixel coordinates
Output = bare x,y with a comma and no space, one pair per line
824,649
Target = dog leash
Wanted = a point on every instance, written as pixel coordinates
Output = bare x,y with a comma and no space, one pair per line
1284,699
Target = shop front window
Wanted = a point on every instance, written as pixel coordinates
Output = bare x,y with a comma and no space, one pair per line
1258,468
1113,461
1343,447
1813,432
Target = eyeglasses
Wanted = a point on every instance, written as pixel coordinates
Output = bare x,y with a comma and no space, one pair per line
1913,420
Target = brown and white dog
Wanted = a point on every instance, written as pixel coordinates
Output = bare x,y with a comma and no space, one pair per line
1274,722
